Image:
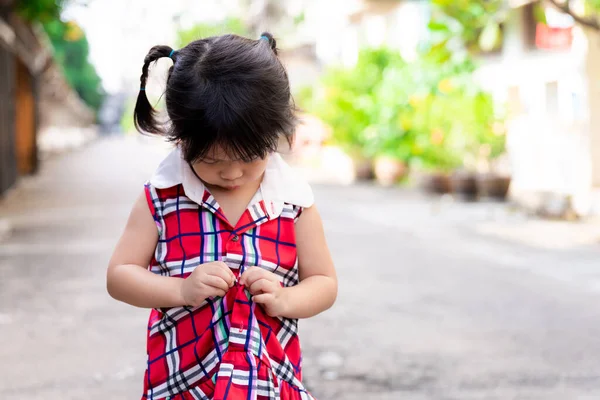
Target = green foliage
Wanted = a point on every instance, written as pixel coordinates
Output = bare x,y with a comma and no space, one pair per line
39,10
70,47
300,18
456,125
593,6
346,100
127,124
429,112
71,51
476,22
539,14
199,31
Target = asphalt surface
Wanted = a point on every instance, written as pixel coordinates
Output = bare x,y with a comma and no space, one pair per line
438,299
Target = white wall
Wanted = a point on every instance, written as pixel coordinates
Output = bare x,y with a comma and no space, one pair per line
548,141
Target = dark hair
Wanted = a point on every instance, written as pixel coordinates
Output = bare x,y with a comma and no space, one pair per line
226,90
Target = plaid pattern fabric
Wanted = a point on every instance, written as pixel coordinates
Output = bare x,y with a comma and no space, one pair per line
227,348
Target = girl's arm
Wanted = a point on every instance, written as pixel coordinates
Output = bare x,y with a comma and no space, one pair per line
128,278
317,289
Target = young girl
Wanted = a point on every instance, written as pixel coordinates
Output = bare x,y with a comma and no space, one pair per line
224,243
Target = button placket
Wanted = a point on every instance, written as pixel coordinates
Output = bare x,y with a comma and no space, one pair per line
233,249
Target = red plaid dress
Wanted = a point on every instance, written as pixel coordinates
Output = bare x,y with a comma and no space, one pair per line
227,348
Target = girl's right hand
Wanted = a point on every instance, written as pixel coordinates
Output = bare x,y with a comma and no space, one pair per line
207,280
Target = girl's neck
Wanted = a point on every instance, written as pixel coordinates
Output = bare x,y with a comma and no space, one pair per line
248,189
234,203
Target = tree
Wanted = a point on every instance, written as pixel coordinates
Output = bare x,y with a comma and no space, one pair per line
591,19
477,24
70,47
39,10
71,52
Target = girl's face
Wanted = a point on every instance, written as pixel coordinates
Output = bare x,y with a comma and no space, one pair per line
218,170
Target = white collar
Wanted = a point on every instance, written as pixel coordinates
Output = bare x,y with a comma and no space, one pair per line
281,183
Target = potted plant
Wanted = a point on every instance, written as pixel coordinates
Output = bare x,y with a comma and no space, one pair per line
347,101
438,160
467,119
389,169
363,165
392,147
493,185
440,182
464,185
437,180
491,182
464,179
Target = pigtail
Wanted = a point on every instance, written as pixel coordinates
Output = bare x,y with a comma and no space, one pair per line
287,128
268,38
144,115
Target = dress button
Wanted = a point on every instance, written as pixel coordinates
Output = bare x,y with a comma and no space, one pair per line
235,238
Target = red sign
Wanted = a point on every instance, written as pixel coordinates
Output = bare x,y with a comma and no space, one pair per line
550,38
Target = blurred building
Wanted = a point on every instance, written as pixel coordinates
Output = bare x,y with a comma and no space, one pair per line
34,97
22,58
544,73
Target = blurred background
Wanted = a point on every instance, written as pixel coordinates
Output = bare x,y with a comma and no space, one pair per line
455,155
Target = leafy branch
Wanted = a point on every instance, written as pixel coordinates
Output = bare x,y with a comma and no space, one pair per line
39,10
589,22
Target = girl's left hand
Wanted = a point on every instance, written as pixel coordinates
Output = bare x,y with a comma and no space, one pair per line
266,290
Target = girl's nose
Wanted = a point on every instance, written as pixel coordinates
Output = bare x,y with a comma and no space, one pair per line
231,174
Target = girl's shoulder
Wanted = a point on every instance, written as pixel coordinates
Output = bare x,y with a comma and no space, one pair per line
282,183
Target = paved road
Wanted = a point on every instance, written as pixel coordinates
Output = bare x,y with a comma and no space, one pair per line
438,300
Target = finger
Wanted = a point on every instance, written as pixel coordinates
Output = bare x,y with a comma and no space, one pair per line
247,277
223,272
230,275
217,293
230,272
264,298
216,282
210,292
223,265
261,286
251,275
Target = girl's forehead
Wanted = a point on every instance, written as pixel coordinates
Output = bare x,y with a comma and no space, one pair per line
218,153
